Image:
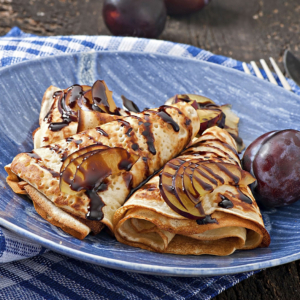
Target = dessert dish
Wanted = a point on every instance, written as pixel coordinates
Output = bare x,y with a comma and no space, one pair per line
67,180
90,156
200,203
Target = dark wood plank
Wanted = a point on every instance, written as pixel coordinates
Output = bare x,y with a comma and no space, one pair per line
244,30
280,282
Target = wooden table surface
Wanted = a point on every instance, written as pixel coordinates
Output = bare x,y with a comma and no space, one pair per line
244,30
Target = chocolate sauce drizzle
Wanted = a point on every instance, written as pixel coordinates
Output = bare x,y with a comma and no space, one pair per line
243,197
91,177
75,98
167,118
135,146
133,190
206,186
130,105
147,133
67,114
129,131
32,154
99,95
228,173
225,203
206,220
101,131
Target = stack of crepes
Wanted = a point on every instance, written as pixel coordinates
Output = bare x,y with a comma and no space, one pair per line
213,213
130,149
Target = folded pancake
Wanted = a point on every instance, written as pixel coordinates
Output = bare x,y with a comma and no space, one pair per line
200,203
153,138
211,114
78,108
70,111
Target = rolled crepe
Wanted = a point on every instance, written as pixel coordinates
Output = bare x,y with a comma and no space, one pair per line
155,136
59,121
231,218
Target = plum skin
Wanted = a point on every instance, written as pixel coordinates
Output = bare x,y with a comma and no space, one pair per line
276,166
253,149
140,18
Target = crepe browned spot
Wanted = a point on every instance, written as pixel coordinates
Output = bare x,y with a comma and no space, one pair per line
148,222
41,168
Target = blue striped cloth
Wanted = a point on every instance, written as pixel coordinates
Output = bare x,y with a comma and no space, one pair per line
28,270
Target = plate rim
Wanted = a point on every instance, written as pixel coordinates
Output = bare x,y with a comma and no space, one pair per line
141,267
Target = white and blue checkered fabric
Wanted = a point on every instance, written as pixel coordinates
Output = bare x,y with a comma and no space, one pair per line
48,275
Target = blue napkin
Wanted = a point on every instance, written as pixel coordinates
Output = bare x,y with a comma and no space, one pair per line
48,275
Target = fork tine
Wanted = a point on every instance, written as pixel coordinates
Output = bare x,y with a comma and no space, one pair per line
280,75
256,70
246,69
268,71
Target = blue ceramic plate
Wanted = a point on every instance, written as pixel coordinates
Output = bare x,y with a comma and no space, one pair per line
150,80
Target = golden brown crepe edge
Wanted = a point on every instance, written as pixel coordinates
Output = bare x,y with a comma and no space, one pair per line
73,225
181,237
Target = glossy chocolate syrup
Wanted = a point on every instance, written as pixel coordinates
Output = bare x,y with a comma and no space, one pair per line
130,105
206,186
53,173
91,174
207,220
171,164
101,131
126,163
56,148
102,187
225,203
124,123
99,94
67,119
188,122
243,197
216,176
96,206
172,188
32,154
74,99
71,97
135,146
56,96
132,191
147,133
167,118
223,168
67,114
129,131
203,174
63,156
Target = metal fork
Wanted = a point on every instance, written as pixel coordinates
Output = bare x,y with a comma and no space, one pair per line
269,74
